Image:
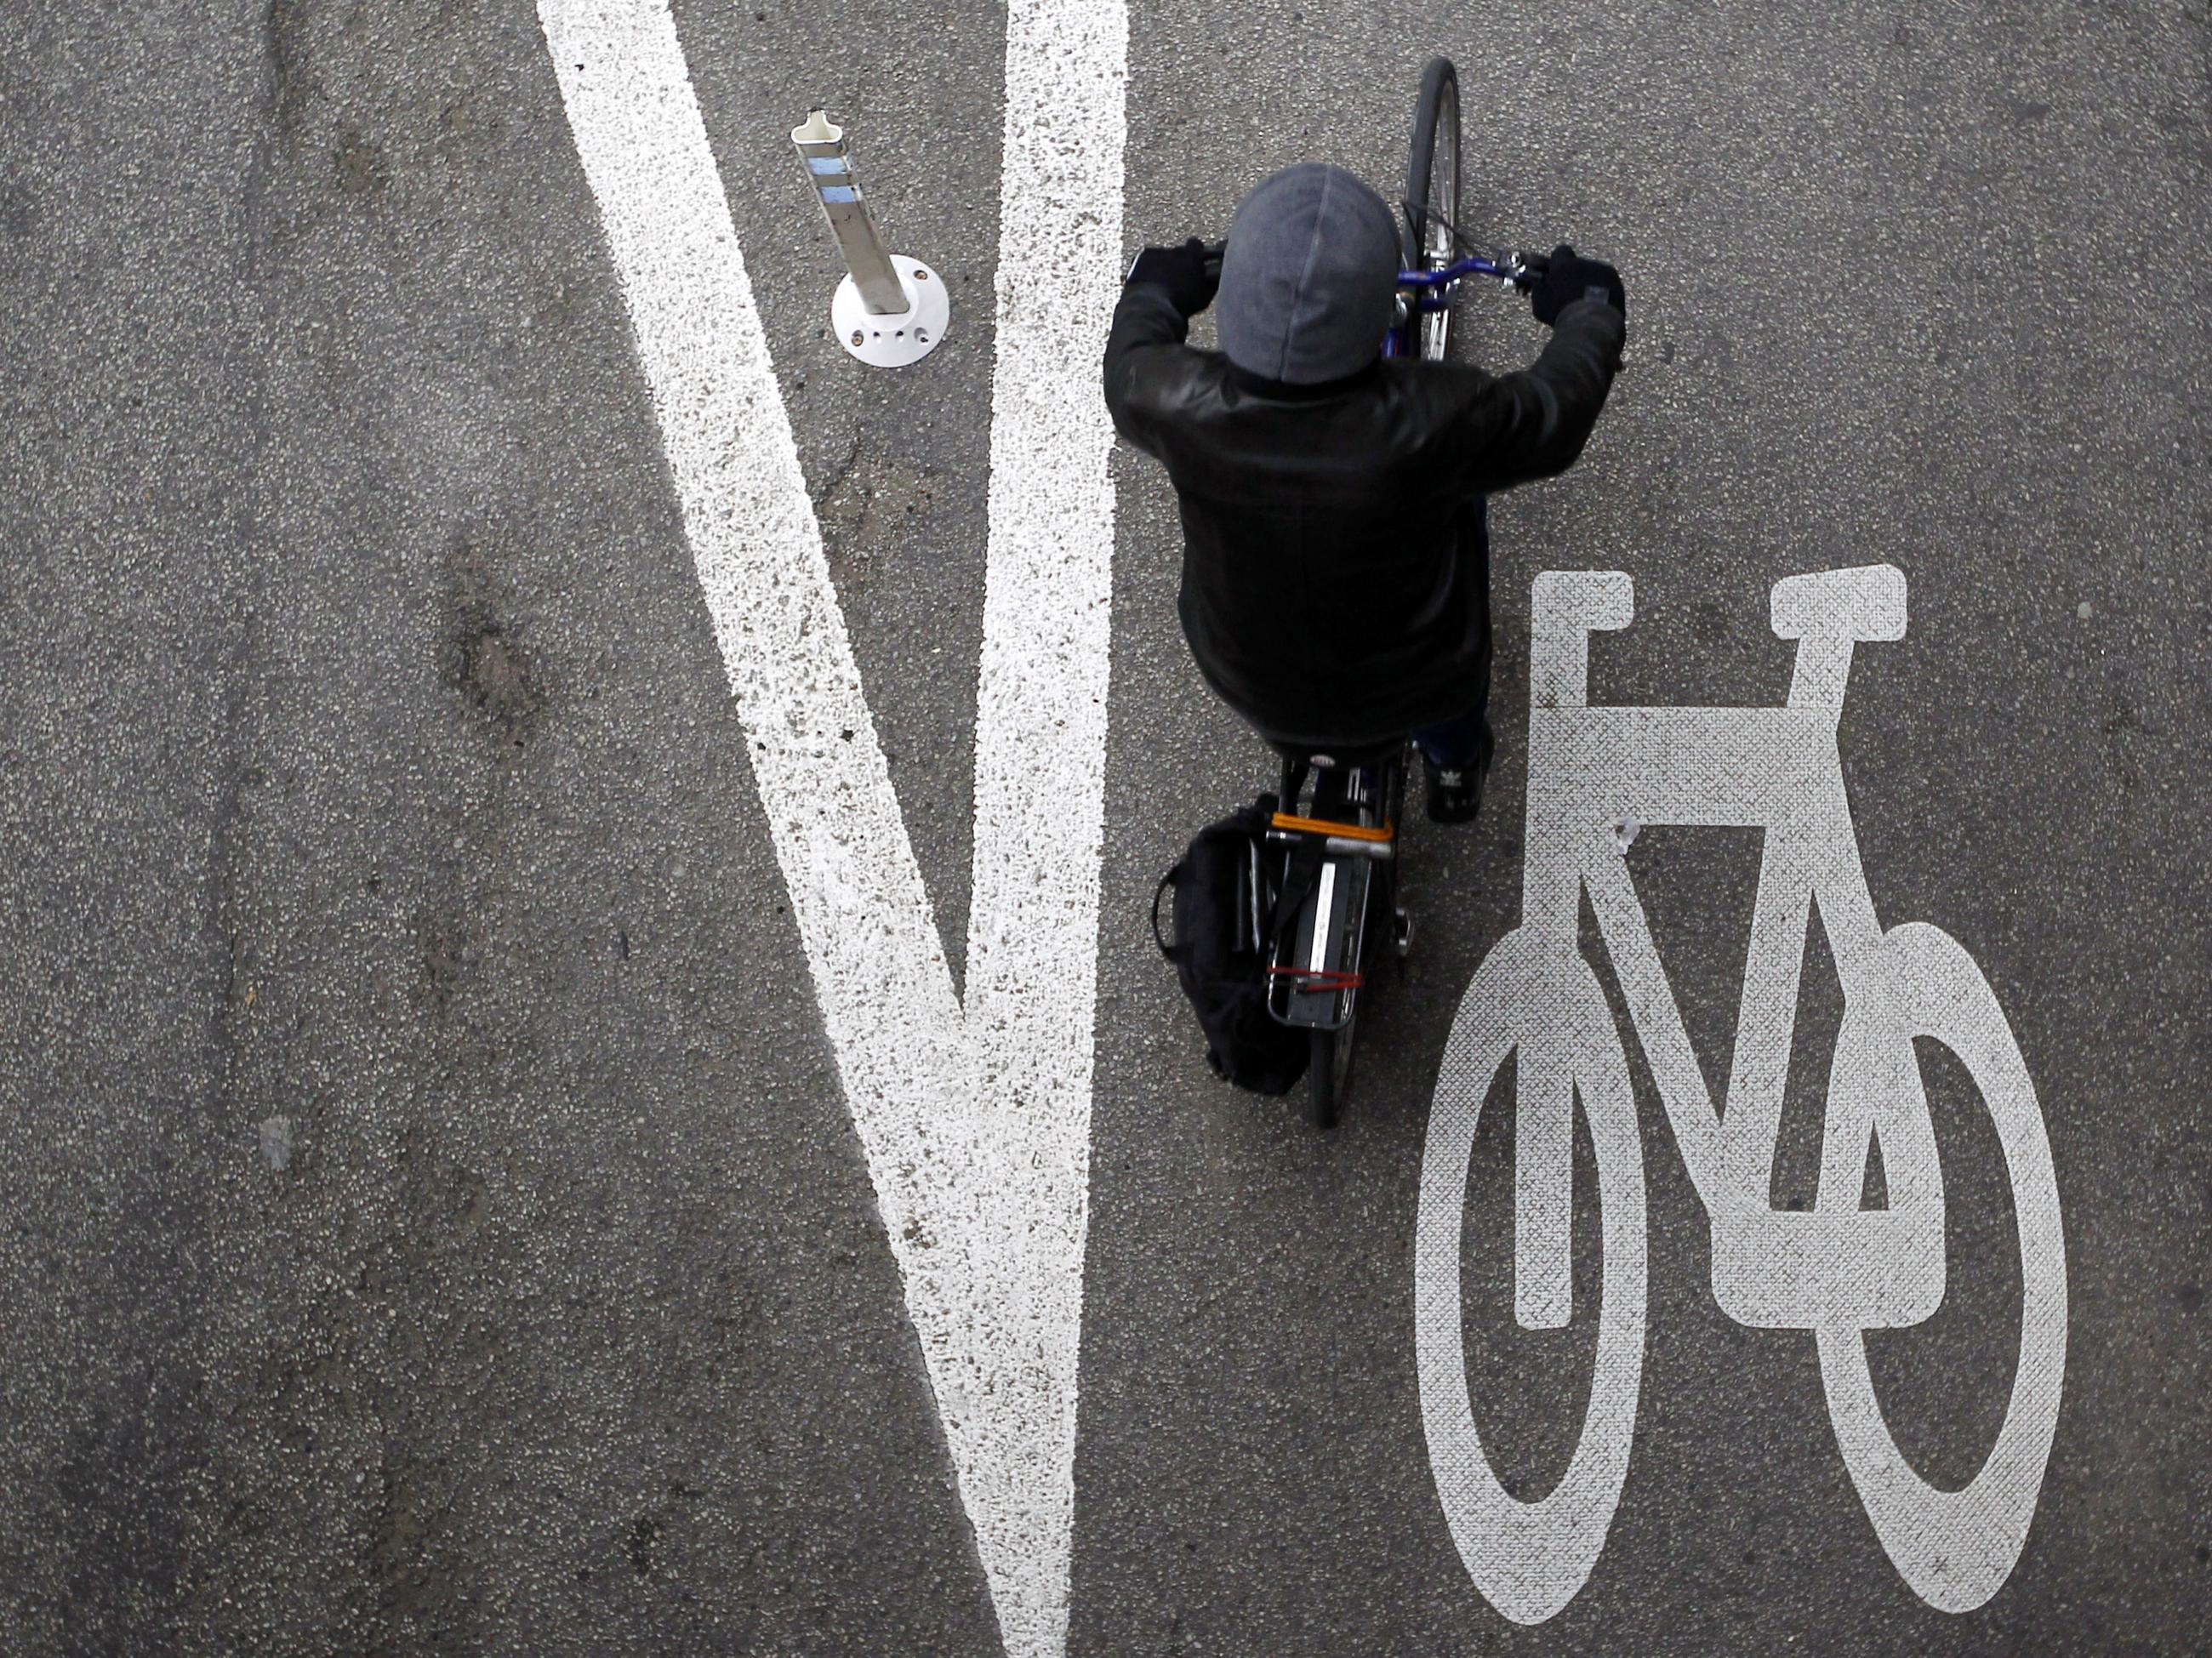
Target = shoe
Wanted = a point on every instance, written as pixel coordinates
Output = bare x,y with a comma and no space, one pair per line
1455,792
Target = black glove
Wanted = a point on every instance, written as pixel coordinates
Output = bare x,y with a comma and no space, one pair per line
1184,272
1572,277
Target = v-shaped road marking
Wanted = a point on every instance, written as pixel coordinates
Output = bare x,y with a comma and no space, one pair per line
975,1121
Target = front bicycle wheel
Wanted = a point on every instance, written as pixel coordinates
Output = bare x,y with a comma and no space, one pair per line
1533,1000
1432,178
1954,1547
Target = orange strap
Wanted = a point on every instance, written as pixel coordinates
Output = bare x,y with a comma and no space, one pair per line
1324,826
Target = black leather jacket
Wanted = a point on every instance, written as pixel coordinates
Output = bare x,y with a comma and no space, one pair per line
1325,593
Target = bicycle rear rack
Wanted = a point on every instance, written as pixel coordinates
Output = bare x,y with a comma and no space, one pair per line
1318,964
1318,961
1340,840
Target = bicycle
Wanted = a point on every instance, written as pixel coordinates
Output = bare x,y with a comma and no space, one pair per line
1837,1270
1340,813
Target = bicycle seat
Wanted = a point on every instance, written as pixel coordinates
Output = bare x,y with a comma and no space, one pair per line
1301,751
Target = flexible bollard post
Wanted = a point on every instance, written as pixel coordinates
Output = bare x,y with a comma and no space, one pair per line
890,310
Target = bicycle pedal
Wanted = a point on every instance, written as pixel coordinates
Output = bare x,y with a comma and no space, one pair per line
1402,934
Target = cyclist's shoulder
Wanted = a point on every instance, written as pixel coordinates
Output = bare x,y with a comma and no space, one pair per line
1438,397
1439,381
1174,370
1441,387
1165,397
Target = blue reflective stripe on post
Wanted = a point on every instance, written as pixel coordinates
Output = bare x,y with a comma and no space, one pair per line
841,193
831,164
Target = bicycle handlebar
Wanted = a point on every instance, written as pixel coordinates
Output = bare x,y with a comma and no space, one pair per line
1522,271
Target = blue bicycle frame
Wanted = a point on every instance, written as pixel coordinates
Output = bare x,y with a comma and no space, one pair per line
1430,290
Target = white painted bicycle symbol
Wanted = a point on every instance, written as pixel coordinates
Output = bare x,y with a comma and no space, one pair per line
1837,1269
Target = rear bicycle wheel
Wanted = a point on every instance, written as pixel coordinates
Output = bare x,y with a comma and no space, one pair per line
1328,1074
1432,181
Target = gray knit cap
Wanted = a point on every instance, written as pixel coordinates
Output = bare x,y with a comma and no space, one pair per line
1309,277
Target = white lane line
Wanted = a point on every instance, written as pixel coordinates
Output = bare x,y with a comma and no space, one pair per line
975,1125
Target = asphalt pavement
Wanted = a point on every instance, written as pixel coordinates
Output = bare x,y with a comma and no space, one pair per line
430,1216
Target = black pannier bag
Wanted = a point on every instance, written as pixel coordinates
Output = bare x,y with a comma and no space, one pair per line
1225,914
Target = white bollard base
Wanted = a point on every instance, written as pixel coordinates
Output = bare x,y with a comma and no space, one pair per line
894,341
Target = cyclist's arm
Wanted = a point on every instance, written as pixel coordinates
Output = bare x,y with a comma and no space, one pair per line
1147,329
1533,424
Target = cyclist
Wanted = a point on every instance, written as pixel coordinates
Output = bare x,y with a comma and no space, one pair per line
1336,562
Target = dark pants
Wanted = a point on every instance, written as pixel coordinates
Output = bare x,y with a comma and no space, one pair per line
1465,740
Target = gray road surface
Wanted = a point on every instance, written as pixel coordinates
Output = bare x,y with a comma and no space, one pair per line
429,1221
